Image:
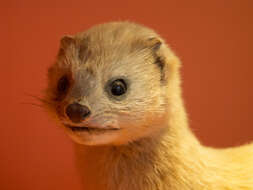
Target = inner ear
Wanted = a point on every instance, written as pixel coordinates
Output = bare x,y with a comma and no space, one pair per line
67,41
154,43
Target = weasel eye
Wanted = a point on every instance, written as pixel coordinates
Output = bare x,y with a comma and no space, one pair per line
118,87
63,84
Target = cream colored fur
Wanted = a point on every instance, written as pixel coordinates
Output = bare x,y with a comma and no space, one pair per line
161,154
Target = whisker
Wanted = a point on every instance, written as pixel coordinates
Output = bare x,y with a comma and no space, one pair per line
39,99
28,103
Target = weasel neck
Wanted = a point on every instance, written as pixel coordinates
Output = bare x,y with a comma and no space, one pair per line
158,162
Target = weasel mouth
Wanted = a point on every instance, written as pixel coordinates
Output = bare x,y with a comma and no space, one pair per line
89,129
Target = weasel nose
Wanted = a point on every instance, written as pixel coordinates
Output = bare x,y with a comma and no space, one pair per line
77,112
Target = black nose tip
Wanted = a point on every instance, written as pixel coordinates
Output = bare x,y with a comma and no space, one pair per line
77,112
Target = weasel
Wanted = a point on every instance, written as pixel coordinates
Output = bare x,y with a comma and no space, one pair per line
115,90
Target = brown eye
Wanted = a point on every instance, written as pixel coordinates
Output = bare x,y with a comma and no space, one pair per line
63,84
118,87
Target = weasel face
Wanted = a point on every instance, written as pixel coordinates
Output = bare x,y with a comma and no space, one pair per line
109,84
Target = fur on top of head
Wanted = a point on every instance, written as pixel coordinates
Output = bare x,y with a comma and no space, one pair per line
112,84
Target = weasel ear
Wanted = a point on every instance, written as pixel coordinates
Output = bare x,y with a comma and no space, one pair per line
66,41
164,58
154,43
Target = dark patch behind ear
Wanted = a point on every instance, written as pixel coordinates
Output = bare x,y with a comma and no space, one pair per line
155,44
160,62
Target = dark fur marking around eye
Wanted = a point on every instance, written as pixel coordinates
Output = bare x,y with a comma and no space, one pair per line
62,87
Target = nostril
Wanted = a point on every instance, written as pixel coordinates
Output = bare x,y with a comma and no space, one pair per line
85,113
77,112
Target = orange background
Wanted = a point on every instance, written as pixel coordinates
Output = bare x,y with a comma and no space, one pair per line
213,39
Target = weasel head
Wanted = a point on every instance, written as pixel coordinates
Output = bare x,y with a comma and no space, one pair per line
112,84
